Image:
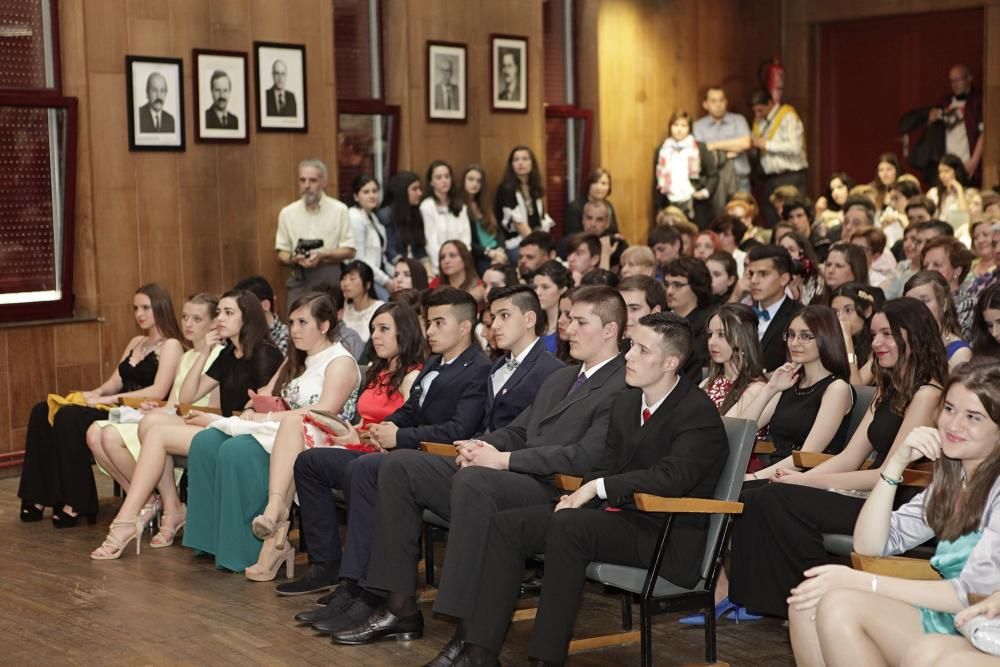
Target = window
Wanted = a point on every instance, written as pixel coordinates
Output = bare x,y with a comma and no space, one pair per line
37,167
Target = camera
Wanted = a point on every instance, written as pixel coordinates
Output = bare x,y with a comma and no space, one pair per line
304,246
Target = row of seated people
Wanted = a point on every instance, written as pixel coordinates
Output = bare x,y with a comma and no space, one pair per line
553,429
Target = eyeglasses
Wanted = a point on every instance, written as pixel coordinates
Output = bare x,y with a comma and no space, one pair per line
675,284
804,337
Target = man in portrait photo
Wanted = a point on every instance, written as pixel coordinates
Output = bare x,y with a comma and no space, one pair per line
280,101
445,92
218,116
510,76
152,117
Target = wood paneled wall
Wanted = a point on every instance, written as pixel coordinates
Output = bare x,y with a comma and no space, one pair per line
487,136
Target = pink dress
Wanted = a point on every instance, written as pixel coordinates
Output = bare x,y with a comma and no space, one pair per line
717,390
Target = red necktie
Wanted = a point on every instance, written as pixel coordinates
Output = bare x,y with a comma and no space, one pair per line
646,414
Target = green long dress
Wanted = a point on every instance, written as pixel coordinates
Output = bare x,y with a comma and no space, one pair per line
228,476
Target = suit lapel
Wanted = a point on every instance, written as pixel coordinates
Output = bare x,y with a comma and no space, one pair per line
593,382
652,431
522,369
776,327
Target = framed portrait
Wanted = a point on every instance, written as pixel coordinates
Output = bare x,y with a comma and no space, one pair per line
280,82
509,73
220,96
447,82
155,92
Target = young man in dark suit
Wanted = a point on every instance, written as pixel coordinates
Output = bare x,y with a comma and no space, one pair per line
769,268
562,431
445,403
665,438
518,321
689,294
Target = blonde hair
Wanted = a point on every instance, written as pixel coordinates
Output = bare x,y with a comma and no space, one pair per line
639,255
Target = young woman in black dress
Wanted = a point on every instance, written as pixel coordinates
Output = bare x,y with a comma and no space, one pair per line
780,534
57,470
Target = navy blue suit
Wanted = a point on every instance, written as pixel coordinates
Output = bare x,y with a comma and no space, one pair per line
452,410
518,392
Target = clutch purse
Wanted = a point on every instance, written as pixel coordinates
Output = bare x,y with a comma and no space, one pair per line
329,422
984,633
265,404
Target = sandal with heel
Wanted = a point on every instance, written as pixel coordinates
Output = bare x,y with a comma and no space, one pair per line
272,556
262,525
165,536
113,546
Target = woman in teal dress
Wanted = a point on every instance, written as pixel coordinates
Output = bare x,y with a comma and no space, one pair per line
229,464
841,616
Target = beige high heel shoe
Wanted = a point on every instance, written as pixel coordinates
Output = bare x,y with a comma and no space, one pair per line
275,551
262,525
165,536
113,546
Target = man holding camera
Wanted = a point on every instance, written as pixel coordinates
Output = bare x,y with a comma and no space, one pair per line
314,233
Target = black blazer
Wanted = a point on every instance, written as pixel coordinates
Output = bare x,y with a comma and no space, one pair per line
453,408
146,121
520,388
212,121
679,452
772,344
559,433
289,109
698,359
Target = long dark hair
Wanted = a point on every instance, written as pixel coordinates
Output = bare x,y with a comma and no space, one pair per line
922,360
983,342
360,181
866,300
728,262
739,324
855,258
322,309
409,223
957,166
454,201
536,186
942,292
479,202
409,342
954,505
163,310
418,274
843,178
254,333
823,324
468,264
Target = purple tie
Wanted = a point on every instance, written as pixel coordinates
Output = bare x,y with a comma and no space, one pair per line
580,379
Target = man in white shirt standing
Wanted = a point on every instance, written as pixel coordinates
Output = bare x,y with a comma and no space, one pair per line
779,137
314,233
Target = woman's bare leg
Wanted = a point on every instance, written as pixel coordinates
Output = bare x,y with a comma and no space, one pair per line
288,444
861,628
805,638
936,650
119,462
151,470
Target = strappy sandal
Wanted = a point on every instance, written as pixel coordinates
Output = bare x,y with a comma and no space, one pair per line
113,546
165,536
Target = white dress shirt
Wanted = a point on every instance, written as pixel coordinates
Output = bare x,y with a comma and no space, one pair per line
772,310
503,373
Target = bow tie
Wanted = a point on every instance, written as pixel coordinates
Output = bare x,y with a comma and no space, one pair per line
762,313
510,364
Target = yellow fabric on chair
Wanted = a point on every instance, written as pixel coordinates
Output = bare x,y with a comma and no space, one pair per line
56,402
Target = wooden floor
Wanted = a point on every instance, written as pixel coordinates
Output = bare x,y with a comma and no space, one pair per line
168,607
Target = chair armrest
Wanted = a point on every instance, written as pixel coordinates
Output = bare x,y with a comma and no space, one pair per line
809,459
567,482
647,502
439,449
184,408
895,566
136,401
763,447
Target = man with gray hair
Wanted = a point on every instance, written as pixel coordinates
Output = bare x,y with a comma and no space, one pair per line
152,116
314,233
280,100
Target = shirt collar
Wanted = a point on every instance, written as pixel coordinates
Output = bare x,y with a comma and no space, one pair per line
526,351
773,308
655,406
589,372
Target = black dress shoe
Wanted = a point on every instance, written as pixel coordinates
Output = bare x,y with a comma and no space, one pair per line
318,578
382,624
474,656
446,658
339,601
357,612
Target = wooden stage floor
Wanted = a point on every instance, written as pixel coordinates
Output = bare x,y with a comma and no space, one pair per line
168,607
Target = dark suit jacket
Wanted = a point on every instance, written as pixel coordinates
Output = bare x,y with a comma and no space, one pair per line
520,388
452,97
679,452
453,409
772,344
272,103
212,121
698,359
559,433
146,121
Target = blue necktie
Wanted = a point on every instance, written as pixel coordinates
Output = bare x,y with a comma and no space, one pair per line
580,379
762,313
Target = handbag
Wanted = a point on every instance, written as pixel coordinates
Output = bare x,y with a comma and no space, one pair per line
984,633
265,404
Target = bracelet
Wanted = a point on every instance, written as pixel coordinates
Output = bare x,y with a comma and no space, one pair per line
874,583
755,475
852,358
889,480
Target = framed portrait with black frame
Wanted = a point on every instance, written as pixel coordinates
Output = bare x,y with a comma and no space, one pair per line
221,96
447,82
155,92
509,73
280,85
